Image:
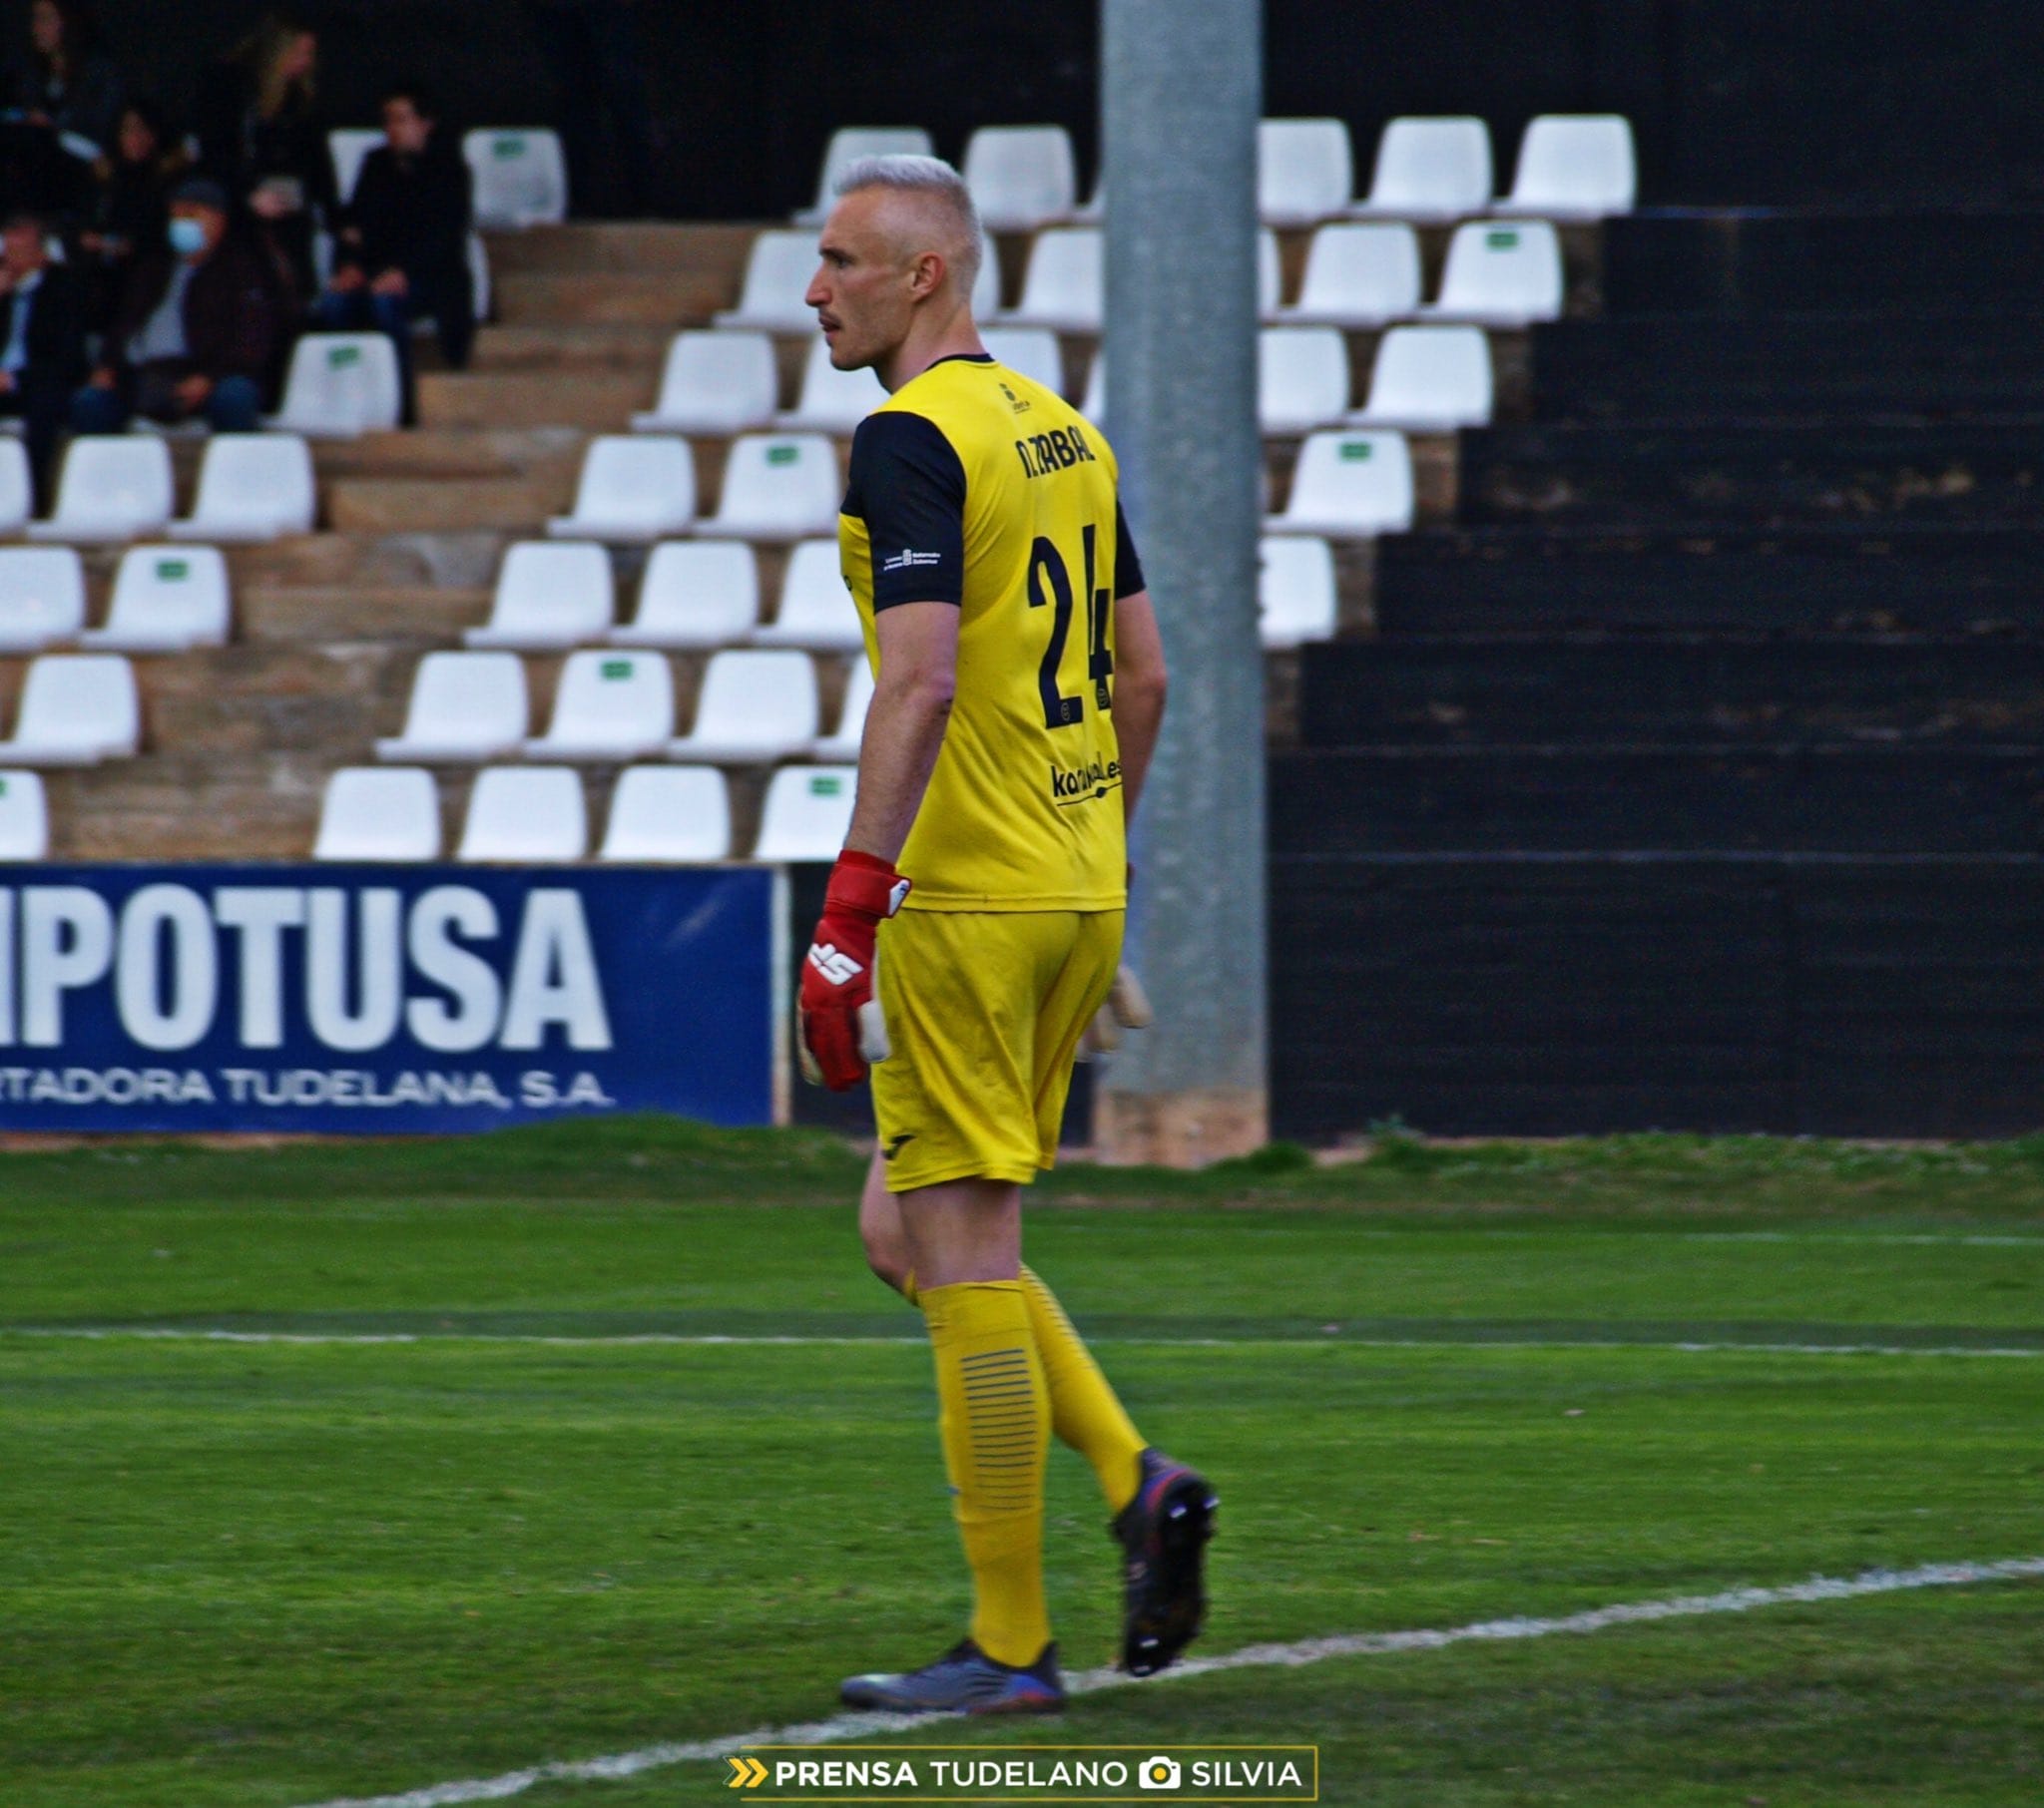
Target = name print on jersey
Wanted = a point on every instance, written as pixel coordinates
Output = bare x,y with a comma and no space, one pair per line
1058,450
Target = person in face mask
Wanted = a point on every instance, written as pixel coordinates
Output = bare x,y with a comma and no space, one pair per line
198,330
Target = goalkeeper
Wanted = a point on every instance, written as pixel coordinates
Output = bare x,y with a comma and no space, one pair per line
973,924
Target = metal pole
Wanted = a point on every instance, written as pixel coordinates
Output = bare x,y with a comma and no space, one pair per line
1181,93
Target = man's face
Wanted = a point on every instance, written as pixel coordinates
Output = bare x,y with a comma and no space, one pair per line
405,127
210,221
21,250
862,290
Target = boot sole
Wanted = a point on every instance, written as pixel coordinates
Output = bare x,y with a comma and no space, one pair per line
1171,1617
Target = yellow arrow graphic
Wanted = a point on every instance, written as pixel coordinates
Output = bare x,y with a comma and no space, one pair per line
749,1773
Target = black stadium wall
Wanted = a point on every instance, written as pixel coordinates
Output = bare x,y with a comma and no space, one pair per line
1734,101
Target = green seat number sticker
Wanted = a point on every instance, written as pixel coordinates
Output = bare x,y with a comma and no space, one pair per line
1357,450
339,357
611,669
783,455
828,785
506,148
1501,241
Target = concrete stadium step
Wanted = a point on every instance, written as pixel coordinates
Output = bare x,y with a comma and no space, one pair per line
635,349
1894,578
1814,800
1655,476
258,806
1470,691
579,298
399,615
1786,263
1839,366
395,505
443,452
625,248
600,401
372,561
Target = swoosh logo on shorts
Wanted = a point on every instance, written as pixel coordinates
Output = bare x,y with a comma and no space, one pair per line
897,1145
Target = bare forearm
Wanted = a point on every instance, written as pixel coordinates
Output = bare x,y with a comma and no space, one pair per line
1138,714
903,735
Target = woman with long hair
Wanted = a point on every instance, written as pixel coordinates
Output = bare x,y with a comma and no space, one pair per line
67,81
259,134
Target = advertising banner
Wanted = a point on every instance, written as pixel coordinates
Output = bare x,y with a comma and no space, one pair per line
379,1000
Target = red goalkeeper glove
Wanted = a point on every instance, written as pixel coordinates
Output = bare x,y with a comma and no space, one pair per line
840,1025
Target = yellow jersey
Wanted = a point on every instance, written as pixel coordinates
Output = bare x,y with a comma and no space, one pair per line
974,486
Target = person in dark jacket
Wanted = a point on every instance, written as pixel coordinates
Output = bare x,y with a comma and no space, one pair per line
66,101
402,255
133,203
260,136
199,328
42,340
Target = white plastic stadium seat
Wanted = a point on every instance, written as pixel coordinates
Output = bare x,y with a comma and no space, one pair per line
754,707
1349,485
1304,169
634,487
1269,297
166,599
550,595
464,706
778,486
349,147
42,597
676,815
1430,379
1574,165
831,400
116,486
1504,273
1295,594
340,384
379,813
1432,169
528,813
1358,275
852,143
24,817
1020,176
777,273
521,177
1065,287
843,745
696,593
816,607
76,711
1032,350
807,813
611,704
1301,378
252,487
714,382
15,494
1094,406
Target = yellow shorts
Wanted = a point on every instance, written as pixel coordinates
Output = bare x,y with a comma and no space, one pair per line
984,1012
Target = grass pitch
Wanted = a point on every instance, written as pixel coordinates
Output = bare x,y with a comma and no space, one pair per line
1435,1387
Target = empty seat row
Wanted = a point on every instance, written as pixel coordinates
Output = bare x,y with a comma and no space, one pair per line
114,487
776,487
756,707
677,815
702,592
1571,165
76,711
165,598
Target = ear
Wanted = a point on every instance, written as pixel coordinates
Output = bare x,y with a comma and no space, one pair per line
926,275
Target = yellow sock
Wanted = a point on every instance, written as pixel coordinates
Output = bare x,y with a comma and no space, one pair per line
994,1418
1086,1413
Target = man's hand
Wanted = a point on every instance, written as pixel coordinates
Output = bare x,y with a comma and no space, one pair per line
393,281
193,390
103,379
838,976
1127,1007
346,280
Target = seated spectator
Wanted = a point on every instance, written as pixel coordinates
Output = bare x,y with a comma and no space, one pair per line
199,330
42,340
67,101
133,203
403,254
260,136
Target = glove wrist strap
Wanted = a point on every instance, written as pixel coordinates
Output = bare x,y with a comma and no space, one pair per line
863,886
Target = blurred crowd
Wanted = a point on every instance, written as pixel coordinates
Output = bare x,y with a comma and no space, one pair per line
165,268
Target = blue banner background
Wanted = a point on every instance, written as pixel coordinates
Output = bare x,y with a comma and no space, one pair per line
684,1019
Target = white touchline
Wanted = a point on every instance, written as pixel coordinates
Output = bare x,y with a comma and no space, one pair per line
635,1339
1254,1656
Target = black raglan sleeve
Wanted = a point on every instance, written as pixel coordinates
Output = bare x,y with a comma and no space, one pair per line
908,486
1128,568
